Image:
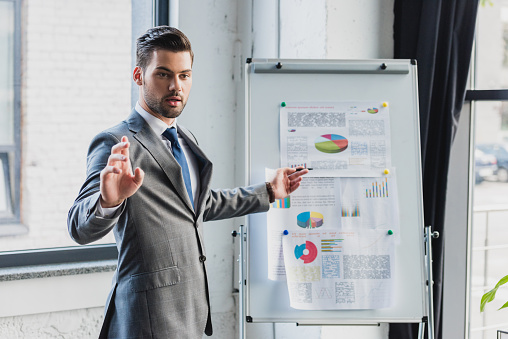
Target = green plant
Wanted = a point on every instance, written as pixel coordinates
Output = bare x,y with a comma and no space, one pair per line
490,295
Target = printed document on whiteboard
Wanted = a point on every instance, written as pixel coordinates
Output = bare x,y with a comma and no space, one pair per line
330,270
350,139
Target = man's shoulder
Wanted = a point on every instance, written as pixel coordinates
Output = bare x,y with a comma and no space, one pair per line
119,128
124,127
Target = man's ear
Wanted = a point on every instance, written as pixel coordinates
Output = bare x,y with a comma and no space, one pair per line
137,76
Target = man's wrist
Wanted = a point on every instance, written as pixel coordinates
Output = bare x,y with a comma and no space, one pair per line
107,212
104,204
271,194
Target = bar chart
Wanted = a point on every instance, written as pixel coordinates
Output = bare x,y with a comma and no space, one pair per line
377,189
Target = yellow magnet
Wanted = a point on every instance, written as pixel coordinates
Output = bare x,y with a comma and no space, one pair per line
387,171
385,104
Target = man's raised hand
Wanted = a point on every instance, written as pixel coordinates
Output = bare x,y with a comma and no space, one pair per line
117,180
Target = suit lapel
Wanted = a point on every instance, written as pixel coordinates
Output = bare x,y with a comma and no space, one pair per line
152,143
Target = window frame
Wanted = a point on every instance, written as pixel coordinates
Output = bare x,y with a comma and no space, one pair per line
486,95
58,255
15,195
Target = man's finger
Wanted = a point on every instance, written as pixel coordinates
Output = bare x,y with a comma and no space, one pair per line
116,157
295,180
120,147
110,170
139,175
125,151
297,172
294,183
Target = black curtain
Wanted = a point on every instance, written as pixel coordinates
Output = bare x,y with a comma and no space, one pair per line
439,35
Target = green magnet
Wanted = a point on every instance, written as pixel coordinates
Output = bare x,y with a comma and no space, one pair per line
283,104
390,232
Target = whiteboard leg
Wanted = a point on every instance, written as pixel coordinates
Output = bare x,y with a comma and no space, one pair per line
241,287
430,281
421,330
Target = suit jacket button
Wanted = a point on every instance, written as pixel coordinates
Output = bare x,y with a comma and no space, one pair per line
202,258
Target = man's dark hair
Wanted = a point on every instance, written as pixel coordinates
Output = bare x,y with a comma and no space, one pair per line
160,38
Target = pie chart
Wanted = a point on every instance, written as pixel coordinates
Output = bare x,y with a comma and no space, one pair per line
331,143
307,252
309,220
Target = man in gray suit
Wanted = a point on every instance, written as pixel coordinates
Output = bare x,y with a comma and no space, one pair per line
157,211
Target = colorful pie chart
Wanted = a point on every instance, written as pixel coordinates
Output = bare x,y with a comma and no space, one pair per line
309,220
331,143
372,110
306,252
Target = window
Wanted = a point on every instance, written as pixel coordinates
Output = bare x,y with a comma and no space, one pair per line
490,192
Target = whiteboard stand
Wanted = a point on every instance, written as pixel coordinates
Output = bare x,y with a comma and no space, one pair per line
268,82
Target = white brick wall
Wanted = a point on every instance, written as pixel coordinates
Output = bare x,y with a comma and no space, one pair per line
76,82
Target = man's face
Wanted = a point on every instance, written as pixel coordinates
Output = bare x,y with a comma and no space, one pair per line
165,83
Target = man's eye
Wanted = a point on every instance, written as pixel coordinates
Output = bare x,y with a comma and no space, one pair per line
162,75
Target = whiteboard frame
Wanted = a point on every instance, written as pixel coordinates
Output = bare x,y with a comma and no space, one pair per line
256,68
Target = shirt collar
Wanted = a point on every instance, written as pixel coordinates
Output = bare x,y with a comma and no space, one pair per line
157,125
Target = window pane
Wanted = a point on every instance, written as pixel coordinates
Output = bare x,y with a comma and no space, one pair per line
490,212
76,81
6,189
492,45
6,74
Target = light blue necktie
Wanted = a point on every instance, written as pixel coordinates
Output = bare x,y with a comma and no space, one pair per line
170,134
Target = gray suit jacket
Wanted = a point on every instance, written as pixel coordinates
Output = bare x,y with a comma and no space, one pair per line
160,286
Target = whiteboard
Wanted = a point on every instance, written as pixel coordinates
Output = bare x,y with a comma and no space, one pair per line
270,82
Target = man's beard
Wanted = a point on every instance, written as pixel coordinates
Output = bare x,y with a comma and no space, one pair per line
161,107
